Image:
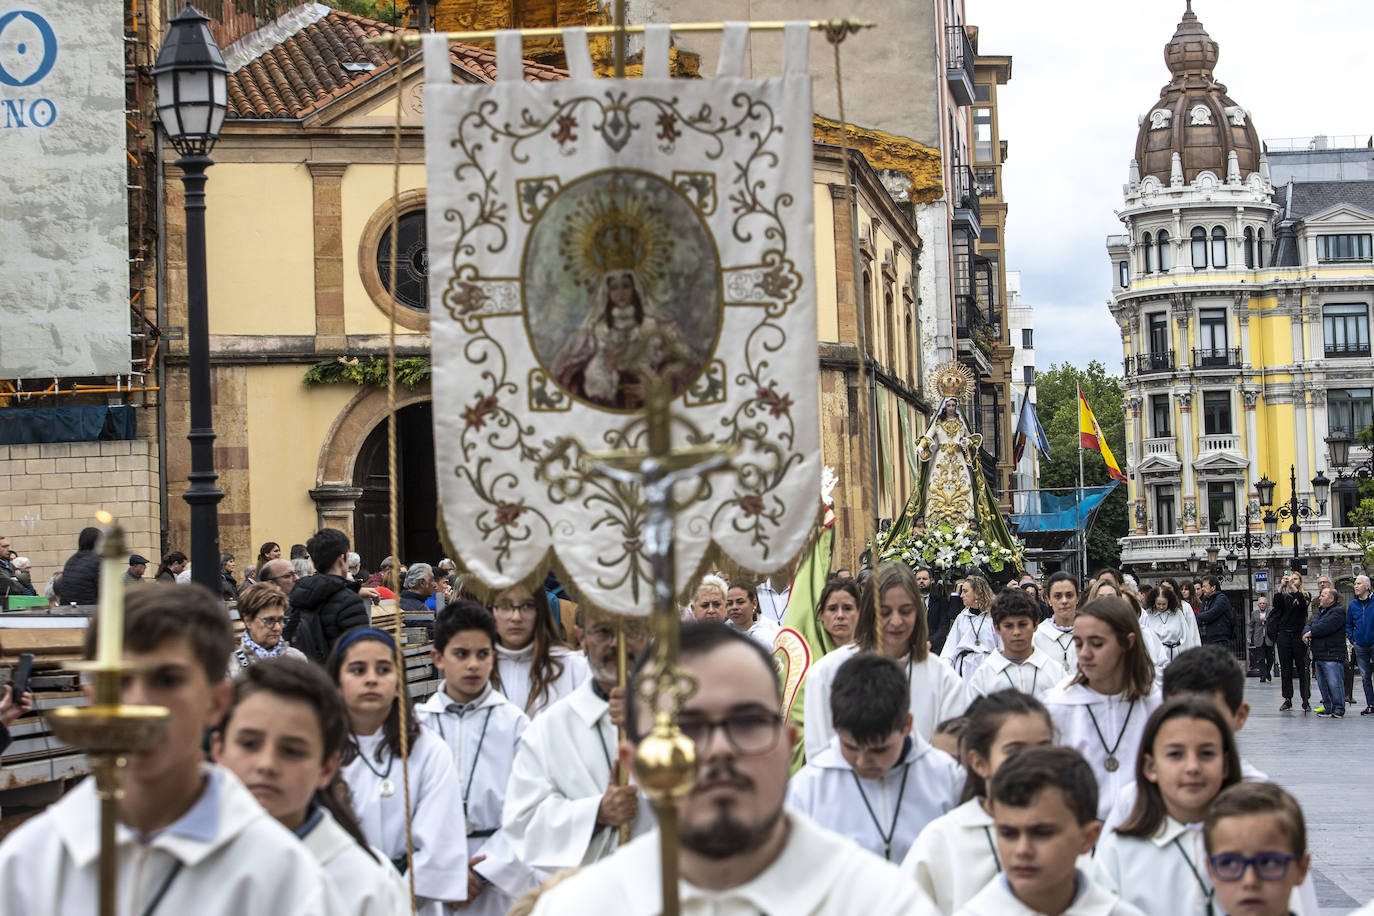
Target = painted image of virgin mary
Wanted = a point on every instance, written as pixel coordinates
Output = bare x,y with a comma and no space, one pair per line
624,341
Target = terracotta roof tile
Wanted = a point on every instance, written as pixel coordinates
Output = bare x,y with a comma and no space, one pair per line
306,71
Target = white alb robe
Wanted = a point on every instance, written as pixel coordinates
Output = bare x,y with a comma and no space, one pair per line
764,631
996,899
436,807
926,782
482,737
954,856
937,694
971,638
513,670
1057,643
1035,675
818,873
772,603
562,768
1073,708
364,882
1175,630
1164,874
234,858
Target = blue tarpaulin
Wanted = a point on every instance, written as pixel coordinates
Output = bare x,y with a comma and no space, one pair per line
67,424
1069,511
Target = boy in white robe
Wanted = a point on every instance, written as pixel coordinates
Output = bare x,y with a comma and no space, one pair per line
564,804
1019,664
482,730
740,851
876,783
1044,806
1054,635
1256,842
188,832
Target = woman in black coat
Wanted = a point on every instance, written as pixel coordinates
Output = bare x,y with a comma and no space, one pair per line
1286,622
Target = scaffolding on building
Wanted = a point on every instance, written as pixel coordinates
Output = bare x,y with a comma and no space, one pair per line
1054,523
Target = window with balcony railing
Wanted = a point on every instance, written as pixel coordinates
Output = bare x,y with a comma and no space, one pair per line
1350,409
1345,327
1349,246
1216,358
1158,361
1216,413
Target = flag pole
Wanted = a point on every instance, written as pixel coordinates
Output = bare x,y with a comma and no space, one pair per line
1082,535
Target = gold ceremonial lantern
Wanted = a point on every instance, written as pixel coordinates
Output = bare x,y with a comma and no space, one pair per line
108,730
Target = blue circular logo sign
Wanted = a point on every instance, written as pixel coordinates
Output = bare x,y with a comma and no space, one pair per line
25,57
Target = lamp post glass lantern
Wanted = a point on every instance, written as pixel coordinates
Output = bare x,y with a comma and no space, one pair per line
191,84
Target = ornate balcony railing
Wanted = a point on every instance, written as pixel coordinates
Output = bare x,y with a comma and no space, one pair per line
1227,358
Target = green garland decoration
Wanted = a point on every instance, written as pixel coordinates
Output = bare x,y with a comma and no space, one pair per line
411,371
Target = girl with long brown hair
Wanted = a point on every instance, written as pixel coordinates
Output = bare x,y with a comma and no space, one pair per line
892,622
533,669
1101,711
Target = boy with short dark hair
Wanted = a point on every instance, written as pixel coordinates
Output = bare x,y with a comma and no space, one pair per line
1044,806
1019,664
190,830
481,728
877,782
1256,849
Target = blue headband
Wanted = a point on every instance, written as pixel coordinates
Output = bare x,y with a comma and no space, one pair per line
353,636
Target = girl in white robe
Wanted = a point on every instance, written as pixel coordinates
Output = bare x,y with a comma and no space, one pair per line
890,613
973,635
533,669
1175,628
1101,710
1156,860
956,854
282,736
482,729
363,665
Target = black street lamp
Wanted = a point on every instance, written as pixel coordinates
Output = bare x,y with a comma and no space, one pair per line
191,84
1293,509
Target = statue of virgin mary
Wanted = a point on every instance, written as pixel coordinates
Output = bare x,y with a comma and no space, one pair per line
950,488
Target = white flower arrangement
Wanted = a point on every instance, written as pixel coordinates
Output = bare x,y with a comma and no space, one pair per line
949,548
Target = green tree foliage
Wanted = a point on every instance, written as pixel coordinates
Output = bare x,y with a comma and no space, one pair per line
1057,407
370,371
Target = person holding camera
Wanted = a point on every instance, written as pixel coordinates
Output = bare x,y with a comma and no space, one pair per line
1286,622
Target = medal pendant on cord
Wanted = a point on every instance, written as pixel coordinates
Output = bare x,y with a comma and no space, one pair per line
1111,764
388,788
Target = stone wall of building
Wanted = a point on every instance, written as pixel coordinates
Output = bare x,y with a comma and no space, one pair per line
50,491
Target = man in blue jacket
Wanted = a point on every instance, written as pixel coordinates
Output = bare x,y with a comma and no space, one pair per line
1325,634
1216,619
1359,629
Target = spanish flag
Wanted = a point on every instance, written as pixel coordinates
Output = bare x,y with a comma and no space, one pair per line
1090,437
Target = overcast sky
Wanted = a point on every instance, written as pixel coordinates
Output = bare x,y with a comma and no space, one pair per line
1083,71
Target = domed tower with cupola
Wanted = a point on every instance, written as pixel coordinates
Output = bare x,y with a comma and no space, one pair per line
1198,220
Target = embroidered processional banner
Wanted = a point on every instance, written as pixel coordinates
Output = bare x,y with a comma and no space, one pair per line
587,238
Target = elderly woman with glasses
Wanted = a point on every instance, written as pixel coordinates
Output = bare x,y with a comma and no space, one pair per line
262,608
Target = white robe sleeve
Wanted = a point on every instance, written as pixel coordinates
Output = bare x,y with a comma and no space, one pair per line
802,792
436,827
1191,637
817,729
546,829
954,696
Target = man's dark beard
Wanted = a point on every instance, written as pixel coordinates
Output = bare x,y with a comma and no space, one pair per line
727,836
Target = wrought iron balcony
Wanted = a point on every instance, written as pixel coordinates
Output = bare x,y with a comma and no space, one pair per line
1347,350
1149,363
1216,359
959,64
965,194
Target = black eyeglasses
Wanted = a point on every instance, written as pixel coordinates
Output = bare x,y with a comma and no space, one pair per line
748,731
1270,866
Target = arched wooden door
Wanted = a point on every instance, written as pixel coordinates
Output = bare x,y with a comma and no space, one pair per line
417,497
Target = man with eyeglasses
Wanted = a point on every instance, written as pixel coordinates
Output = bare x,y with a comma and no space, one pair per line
279,573
564,803
740,850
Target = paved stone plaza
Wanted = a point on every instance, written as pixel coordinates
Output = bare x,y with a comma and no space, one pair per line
1326,764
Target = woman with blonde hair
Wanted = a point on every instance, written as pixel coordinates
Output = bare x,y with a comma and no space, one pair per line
1101,711
972,636
892,622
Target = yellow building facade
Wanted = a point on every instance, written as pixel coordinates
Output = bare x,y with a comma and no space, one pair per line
1244,317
